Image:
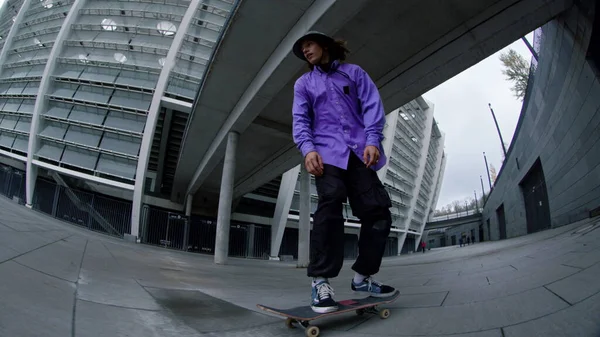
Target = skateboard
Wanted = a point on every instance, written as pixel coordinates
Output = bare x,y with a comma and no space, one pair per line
304,314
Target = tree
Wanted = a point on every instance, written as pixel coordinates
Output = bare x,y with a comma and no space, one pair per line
517,71
493,174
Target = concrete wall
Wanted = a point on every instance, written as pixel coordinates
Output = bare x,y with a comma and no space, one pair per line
457,231
559,126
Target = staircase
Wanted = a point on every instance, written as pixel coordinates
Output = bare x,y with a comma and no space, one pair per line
270,189
177,128
85,207
166,145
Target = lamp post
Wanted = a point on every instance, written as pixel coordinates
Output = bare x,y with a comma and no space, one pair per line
535,55
482,190
487,169
498,128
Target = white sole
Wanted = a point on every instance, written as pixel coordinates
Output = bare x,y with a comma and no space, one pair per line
374,294
324,310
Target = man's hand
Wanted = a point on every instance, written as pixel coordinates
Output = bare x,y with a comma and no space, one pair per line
371,155
314,163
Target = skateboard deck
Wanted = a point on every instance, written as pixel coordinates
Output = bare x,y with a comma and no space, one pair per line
304,314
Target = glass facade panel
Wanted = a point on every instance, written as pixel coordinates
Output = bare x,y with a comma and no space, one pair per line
132,100
24,124
21,143
93,94
116,166
106,76
120,143
54,130
9,122
50,150
27,106
125,121
87,115
6,139
83,136
80,158
56,111
12,105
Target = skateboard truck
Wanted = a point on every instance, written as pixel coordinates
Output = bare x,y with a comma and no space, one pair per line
383,314
311,330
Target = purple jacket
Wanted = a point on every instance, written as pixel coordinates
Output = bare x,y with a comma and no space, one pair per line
338,112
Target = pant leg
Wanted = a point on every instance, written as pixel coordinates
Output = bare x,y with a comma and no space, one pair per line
370,203
327,237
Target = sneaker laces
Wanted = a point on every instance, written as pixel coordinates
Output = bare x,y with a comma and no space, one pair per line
372,282
324,290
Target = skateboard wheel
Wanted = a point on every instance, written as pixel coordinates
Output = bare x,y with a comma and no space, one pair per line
385,313
289,323
360,312
312,331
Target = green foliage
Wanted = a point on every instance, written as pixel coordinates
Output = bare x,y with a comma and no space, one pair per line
516,70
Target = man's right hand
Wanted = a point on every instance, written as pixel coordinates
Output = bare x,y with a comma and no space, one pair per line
314,163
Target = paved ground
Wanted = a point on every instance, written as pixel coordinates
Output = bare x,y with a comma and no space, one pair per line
58,280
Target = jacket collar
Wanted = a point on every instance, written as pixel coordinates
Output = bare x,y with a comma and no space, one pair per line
334,65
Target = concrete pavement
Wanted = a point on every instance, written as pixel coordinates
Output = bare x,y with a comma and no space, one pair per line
59,280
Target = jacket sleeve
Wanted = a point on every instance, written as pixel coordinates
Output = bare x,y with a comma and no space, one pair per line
372,108
302,130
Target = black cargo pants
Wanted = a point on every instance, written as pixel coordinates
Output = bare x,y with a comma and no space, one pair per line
369,201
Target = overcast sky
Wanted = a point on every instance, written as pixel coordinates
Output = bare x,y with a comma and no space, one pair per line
461,110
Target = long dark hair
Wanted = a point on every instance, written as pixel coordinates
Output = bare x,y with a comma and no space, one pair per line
336,50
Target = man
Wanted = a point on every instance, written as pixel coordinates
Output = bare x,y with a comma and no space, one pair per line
338,121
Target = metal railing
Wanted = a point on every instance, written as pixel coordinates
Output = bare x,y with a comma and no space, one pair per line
89,210
85,206
12,183
158,227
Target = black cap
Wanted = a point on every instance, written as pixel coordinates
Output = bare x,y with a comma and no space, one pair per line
318,37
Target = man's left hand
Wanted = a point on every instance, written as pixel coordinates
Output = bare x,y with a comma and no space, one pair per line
371,155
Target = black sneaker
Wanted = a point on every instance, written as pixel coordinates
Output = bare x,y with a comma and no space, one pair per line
372,288
322,298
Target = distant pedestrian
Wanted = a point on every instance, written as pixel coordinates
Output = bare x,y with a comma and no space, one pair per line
423,246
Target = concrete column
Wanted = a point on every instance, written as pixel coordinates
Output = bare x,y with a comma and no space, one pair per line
225,198
401,239
304,224
282,209
250,243
30,179
188,215
41,101
153,112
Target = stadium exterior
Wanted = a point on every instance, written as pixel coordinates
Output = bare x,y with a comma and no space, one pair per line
94,101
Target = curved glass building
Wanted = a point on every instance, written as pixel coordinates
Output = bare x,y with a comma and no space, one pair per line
86,86
94,101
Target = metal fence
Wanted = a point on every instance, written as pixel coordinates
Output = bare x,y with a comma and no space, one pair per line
12,183
92,211
159,227
197,234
